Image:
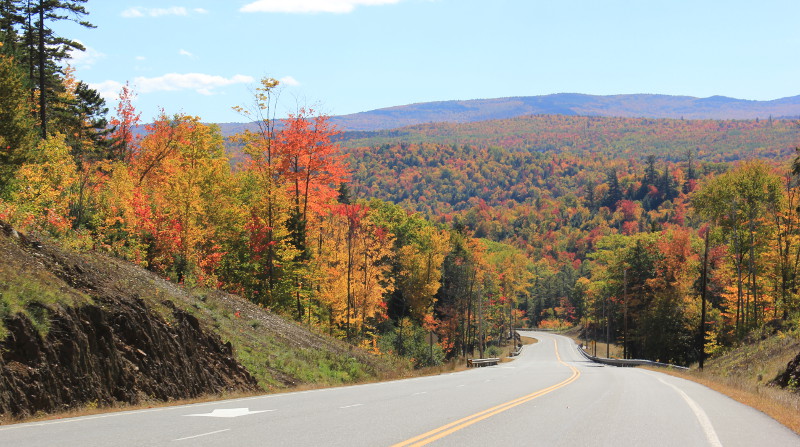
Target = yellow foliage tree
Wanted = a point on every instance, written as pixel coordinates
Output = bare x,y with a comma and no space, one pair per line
41,202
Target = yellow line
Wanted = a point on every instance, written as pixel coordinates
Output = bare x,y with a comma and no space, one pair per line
441,432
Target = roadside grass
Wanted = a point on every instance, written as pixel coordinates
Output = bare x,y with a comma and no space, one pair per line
33,294
282,354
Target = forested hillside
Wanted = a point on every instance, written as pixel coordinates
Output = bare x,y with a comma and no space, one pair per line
611,214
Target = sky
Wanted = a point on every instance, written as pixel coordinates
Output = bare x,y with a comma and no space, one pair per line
202,57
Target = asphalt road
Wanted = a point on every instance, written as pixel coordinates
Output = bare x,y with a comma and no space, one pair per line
549,396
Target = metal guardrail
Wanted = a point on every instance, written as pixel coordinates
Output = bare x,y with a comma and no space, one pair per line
613,362
628,362
475,363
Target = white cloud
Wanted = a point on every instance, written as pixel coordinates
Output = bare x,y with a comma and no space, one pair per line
136,12
311,6
183,52
199,82
288,80
132,13
141,58
200,10
108,90
85,59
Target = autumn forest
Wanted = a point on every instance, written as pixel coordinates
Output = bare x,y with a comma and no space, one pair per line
629,227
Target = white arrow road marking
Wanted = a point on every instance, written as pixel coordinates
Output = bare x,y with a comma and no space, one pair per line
351,406
229,413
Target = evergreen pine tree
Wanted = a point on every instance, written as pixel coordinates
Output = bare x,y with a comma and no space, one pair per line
17,134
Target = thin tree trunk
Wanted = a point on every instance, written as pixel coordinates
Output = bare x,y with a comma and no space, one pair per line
42,60
349,276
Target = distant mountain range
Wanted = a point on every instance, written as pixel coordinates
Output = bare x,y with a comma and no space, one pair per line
633,106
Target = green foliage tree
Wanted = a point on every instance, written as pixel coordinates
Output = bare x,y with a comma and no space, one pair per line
27,33
740,203
17,134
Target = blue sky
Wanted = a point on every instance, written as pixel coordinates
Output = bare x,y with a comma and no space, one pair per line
201,57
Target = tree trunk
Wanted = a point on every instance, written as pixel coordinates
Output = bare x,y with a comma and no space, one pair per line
42,61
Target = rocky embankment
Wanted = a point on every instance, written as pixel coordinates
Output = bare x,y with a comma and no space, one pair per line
115,346
791,377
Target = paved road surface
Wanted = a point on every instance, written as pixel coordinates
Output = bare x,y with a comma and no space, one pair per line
549,396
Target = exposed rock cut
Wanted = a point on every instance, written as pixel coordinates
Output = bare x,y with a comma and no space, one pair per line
116,349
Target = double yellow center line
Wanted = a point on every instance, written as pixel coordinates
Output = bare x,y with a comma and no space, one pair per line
445,430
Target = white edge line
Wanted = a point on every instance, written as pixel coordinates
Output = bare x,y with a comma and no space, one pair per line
204,434
701,415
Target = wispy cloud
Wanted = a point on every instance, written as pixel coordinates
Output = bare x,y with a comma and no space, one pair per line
183,52
109,90
288,80
84,60
199,82
137,12
311,6
204,84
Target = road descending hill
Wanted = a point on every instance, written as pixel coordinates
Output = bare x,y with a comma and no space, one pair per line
549,396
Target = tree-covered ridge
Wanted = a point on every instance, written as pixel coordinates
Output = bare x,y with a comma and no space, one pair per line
442,179
612,138
572,104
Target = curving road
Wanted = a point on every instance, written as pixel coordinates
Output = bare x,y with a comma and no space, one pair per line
550,396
